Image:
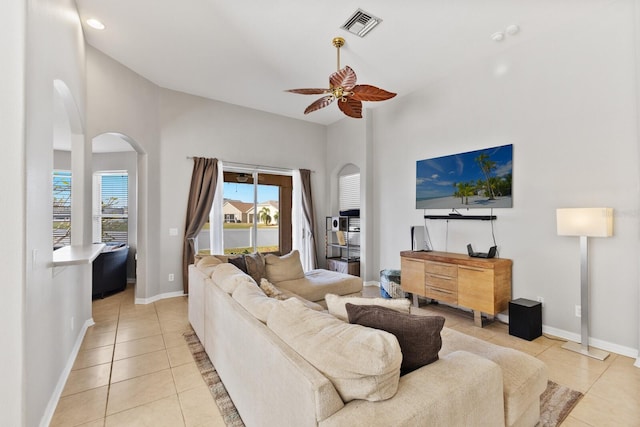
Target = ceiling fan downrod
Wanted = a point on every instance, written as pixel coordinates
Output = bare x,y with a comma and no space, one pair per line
338,42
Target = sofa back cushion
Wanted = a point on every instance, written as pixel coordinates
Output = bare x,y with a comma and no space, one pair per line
254,300
419,336
362,363
287,267
228,276
336,304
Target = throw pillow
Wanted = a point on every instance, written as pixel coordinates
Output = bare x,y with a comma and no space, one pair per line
418,336
271,291
255,266
239,262
336,304
286,267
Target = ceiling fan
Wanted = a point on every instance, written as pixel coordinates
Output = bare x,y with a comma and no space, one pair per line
343,87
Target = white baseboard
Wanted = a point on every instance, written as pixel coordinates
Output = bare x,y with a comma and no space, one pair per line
159,297
601,344
64,375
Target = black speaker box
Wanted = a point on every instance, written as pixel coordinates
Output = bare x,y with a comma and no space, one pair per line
525,319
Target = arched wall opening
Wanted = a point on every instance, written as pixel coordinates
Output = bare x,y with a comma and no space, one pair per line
115,151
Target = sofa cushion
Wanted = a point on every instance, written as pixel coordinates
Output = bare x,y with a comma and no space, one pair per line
336,304
228,276
524,376
208,263
362,363
418,336
255,266
254,300
317,283
287,267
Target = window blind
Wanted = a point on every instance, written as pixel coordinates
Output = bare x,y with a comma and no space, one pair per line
349,192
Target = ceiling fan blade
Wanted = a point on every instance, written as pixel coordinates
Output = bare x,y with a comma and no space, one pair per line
309,91
320,103
370,93
351,107
345,78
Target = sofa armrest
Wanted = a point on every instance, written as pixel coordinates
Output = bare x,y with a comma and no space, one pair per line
460,389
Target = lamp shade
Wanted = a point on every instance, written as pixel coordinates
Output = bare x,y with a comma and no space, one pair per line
591,222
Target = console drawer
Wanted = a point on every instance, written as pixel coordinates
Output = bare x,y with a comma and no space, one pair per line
441,269
443,295
443,282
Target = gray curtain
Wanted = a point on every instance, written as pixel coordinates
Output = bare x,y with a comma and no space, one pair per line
203,186
307,209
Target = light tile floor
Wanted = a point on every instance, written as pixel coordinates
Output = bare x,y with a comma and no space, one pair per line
135,369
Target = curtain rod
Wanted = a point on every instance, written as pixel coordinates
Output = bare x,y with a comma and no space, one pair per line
251,166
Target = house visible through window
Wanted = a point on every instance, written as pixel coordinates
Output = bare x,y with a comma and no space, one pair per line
257,218
61,208
111,207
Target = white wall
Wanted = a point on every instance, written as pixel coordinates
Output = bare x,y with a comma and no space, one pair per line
120,101
12,221
57,302
567,104
193,126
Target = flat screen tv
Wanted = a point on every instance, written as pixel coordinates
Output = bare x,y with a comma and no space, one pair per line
475,179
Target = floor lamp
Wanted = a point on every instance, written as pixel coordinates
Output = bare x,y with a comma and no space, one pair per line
585,223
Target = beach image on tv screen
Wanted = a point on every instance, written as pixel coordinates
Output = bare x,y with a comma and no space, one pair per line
475,179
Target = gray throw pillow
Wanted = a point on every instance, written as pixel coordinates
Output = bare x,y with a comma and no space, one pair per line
239,262
255,266
418,336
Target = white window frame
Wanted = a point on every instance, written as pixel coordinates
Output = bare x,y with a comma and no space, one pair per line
97,204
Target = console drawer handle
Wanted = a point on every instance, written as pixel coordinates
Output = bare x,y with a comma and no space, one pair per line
464,267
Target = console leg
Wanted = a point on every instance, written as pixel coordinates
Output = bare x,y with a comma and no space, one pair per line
477,318
415,300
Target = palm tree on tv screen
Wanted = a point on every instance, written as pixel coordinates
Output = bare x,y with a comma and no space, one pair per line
487,166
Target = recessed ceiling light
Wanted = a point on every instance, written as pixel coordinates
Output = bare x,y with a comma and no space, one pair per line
94,23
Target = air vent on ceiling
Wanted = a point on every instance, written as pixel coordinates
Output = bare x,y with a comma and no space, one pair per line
360,23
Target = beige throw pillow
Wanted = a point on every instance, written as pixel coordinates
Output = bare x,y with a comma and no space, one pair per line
336,304
362,363
286,267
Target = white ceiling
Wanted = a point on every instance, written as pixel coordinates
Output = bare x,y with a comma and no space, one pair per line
247,52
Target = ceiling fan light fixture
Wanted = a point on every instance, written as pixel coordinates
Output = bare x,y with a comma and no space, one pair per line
242,177
360,23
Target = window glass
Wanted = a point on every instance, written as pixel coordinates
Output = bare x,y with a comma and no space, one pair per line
111,207
61,208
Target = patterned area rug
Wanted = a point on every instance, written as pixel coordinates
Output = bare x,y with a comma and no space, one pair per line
555,403
225,404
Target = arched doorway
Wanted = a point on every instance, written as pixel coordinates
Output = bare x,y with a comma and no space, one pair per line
119,215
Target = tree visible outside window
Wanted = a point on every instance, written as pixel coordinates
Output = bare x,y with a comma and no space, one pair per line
111,207
256,218
61,208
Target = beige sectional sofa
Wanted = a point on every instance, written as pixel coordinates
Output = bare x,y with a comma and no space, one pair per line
286,364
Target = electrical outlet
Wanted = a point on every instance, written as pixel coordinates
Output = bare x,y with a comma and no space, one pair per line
540,300
578,311
73,323
171,277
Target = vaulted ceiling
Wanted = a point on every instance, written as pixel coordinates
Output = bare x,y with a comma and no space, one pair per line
247,52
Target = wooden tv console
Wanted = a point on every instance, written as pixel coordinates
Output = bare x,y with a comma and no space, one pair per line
483,285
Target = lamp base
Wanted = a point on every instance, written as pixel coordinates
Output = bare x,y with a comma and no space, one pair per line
591,352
